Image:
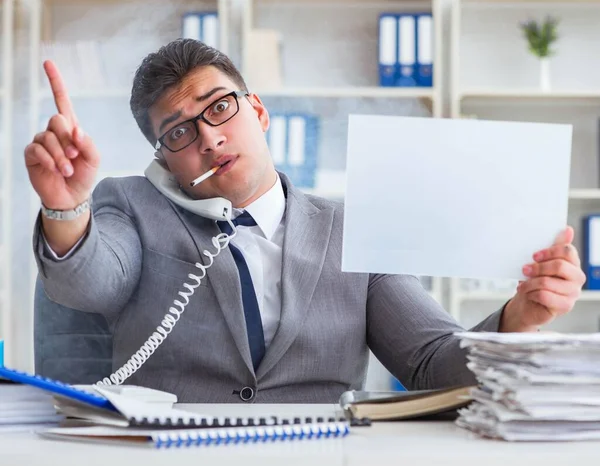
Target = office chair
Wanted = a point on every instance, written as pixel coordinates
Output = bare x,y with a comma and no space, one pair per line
69,345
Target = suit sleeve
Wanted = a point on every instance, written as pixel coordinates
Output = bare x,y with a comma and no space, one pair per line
413,336
101,274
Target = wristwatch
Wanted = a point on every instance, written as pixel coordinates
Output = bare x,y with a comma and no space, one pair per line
67,214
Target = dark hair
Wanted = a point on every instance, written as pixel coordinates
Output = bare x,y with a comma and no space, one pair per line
166,68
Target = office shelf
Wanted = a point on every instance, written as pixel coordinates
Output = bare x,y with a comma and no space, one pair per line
584,194
46,94
586,296
328,48
520,3
390,92
331,183
565,94
492,72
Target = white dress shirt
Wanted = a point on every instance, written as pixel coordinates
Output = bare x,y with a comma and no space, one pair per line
262,247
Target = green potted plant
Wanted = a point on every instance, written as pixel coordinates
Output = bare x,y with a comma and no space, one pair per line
540,37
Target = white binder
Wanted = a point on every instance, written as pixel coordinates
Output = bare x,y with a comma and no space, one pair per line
425,50
277,139
191,27
388,26
297,139
210,29
406,49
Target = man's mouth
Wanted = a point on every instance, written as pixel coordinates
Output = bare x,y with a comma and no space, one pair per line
225,165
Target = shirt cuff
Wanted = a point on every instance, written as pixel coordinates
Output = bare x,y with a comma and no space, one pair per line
69,253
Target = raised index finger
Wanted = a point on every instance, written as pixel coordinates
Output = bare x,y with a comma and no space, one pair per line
59,91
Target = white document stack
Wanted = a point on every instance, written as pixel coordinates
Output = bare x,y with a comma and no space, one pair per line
533,386
25,408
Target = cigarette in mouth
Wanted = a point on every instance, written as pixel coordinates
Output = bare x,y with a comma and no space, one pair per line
201,178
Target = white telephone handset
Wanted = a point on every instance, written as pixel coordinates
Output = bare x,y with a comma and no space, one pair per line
216,209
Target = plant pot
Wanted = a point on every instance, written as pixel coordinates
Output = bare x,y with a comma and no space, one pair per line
545,74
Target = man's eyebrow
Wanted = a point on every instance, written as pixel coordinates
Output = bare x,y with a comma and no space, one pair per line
177,115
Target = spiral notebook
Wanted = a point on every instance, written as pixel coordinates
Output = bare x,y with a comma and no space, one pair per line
107,415
171,427
177,438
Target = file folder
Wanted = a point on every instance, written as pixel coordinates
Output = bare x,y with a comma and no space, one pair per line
202,26
293,143
301,163
210,29
424,50
591,251
387,49
406,75
297,140
276,140
192,26
406,49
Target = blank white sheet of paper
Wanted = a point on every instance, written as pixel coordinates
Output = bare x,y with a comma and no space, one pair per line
452,197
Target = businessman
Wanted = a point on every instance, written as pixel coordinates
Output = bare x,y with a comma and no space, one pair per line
275,319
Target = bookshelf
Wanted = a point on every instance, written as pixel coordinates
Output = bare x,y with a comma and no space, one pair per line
6,176
328,65
349,28
493,76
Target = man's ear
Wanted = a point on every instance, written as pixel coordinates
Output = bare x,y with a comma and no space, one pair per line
160,158
159,155
261,111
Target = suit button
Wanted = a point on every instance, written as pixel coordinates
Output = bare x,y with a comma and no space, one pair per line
247,394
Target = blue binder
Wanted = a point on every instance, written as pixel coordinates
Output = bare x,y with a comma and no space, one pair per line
406,47
397,385
202,26
591,251
388,54
424,31
56,387
293,139
406,67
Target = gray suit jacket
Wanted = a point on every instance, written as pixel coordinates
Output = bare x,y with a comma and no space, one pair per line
139,250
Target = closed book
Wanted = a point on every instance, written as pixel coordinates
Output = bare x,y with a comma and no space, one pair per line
393,406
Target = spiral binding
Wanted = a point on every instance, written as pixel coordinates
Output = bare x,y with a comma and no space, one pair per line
220,242
206,437
197,421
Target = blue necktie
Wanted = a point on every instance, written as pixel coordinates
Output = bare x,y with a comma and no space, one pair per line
256,338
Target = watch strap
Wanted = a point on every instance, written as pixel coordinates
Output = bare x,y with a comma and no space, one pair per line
67,214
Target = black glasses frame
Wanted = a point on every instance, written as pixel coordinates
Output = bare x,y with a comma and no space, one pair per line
237,94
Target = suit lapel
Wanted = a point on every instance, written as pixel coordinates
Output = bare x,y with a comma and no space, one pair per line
223,277
307,231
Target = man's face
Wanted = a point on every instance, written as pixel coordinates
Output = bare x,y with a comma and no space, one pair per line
249,172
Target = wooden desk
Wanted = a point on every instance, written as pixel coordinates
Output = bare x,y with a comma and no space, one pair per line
402,443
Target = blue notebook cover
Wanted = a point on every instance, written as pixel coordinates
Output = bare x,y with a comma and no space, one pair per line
56,387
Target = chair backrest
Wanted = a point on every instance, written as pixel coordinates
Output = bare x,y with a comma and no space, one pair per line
69,345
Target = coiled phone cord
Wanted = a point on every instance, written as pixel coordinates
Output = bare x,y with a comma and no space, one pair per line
220,242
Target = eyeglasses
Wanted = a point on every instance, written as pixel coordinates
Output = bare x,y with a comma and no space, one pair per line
220,111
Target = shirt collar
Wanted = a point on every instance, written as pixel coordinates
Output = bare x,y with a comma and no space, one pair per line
268,209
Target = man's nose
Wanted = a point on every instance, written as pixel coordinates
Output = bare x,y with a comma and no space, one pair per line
211,137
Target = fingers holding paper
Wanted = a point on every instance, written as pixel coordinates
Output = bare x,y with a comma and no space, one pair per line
553,285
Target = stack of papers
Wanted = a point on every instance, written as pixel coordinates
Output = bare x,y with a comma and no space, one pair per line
533,386
25,408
